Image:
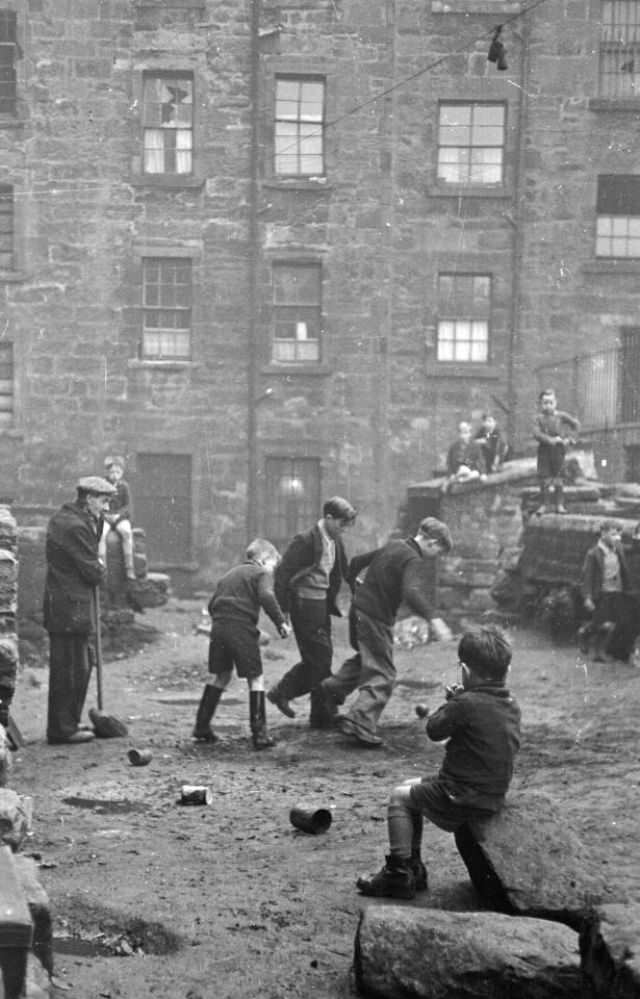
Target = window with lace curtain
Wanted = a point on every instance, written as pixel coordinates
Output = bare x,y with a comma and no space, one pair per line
464,310
166,308
620,49
167,115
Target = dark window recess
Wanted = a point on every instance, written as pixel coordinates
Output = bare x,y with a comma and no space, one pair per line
618,194
632,463
161,491
7,260
292,498
6,384
630,375
8,55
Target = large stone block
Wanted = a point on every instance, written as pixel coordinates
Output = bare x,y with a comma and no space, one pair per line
610,949
402,952
525,860
26,870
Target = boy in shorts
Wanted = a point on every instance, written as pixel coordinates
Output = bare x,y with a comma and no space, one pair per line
481,721
234,639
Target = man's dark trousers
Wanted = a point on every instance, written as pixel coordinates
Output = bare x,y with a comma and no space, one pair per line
311,625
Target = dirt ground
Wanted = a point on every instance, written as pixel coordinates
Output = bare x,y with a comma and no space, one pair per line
228,900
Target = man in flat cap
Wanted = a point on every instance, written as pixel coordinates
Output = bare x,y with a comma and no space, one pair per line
74,570
307,582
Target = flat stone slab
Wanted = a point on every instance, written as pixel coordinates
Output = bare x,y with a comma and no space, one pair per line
110,795
402,952
526,861
610,948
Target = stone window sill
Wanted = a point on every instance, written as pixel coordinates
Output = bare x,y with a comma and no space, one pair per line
167,182
615,104
475,6
616,265
296,369
13,277
463,369
6,121
164,364
439,190
297,184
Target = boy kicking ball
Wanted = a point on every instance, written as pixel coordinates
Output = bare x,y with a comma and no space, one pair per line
481,721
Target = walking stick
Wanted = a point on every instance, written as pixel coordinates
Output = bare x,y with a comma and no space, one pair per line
96,599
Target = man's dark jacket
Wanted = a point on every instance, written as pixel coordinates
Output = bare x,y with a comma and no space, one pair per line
593,572
303,553
73,571
394,575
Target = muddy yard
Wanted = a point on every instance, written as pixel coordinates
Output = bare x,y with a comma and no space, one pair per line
228,900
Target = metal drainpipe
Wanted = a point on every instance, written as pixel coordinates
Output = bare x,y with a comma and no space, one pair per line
252,360
514,312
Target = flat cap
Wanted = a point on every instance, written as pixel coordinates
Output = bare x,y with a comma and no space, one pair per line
96,485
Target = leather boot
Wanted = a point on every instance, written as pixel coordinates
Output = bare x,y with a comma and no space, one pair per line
395,880
258,720
419,871
206,710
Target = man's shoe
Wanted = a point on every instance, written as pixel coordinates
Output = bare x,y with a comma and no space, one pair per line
77,737
351,728
419,872
278,701
561,509
395,880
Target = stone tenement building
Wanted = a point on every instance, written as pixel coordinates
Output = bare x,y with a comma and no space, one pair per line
271,251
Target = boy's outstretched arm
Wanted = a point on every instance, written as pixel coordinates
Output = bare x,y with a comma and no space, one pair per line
443,722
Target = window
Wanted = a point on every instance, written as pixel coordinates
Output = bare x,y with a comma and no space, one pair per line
471,143
292,497
618,216
162,502
6,384
7,260
630,375
168,123
166,308
299,138
8,52
620,49
464,305
296,312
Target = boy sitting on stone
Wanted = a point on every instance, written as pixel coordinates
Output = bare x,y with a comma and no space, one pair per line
481,721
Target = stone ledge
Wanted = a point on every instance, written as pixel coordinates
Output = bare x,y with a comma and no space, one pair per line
614,104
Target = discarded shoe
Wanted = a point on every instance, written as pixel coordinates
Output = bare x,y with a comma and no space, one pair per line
363,736
274,697
395,880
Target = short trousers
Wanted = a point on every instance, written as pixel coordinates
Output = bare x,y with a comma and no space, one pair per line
233,643
447,807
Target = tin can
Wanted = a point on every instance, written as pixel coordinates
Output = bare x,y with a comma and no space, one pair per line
140,757
193,794
310,818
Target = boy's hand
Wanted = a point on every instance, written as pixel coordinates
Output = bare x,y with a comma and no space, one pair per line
454,688
284,630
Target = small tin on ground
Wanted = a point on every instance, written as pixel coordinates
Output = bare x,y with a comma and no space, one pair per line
310,818
192,794
139,757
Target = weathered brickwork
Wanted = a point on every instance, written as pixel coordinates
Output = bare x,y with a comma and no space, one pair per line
377,410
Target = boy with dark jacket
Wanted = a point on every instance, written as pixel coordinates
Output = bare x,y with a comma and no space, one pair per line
307,582
605,580
234,638
481,721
